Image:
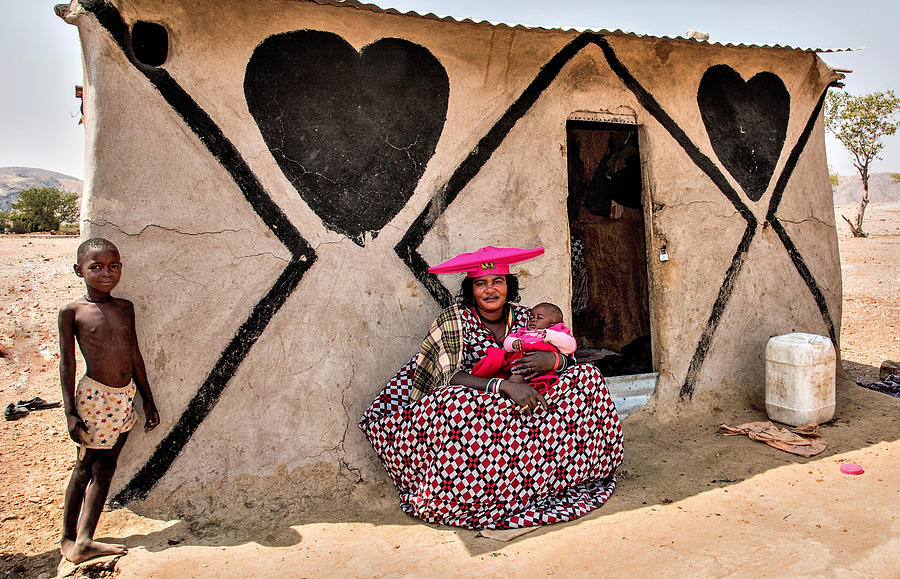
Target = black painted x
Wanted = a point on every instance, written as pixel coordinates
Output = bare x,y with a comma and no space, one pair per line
303,256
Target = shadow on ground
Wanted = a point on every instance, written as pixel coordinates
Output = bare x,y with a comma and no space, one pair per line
666,461
860,372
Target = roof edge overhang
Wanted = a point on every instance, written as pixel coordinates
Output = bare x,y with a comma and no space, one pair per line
431,16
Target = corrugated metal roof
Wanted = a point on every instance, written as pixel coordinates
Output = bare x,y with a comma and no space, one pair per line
431,16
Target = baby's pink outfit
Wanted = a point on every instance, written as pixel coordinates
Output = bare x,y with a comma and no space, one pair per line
558,335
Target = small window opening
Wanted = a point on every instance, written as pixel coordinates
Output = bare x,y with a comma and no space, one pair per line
150,43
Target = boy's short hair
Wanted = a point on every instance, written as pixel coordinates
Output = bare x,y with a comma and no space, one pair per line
93,244
553,308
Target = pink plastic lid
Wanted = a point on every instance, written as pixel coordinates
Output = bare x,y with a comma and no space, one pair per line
850,468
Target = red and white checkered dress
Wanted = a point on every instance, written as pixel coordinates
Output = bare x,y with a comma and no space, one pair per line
471,459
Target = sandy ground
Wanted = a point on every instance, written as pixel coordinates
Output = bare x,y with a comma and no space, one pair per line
689,502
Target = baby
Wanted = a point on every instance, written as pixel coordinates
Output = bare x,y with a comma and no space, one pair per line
100,410
545,325
543,331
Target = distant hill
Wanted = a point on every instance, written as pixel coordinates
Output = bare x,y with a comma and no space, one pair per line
881,190
16,179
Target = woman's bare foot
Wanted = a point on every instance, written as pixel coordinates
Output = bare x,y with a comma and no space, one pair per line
81,552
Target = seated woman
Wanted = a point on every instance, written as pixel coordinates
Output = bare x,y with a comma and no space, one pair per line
488,453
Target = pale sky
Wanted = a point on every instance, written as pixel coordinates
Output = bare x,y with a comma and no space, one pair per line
40,59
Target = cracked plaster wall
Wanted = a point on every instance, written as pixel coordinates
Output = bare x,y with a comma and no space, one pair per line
197,258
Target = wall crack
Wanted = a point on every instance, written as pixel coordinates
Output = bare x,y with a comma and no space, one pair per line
659,208
343,458
801,221
262,254
105,223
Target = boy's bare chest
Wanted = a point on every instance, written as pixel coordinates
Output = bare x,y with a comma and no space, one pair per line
103,323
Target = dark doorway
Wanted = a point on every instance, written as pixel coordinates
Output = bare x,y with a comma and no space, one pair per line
611,314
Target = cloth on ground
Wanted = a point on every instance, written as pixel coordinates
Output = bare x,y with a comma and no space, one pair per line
802,441
890,385
107,411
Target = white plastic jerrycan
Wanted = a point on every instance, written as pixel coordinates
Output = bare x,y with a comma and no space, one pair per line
800,379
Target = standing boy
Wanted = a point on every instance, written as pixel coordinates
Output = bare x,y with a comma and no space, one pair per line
100,410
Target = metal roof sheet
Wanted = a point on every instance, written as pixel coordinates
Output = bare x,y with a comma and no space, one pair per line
431,16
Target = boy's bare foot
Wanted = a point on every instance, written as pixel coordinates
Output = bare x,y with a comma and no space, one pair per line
79,553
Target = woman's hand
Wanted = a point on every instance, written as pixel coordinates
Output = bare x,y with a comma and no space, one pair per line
534,364
524,395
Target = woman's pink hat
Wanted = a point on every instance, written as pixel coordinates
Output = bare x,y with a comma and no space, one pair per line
486,261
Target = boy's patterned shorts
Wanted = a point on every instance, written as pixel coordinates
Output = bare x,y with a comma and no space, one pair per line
106,410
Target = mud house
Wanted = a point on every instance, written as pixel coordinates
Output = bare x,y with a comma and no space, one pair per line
280,174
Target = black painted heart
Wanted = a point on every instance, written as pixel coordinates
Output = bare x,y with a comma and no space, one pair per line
352,131
746,123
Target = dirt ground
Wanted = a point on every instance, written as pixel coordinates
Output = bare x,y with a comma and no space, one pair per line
689,500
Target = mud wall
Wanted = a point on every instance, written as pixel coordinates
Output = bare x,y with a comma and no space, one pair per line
278,176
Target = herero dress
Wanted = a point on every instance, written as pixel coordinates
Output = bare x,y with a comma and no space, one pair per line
471,459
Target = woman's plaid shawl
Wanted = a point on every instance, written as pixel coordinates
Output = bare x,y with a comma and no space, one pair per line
439,356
